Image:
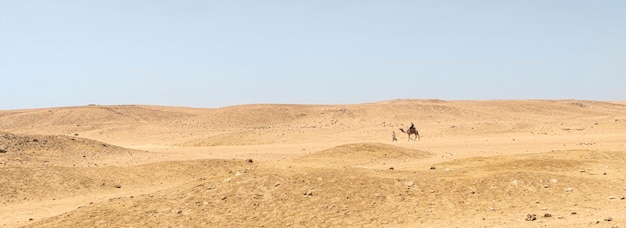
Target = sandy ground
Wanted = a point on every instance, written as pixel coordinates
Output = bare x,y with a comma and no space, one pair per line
527,163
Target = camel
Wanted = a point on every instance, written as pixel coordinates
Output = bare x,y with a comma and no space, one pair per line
410,132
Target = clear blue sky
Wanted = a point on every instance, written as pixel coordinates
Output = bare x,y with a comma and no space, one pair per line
221,53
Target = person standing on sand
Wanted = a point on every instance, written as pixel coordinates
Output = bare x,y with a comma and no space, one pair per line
393,136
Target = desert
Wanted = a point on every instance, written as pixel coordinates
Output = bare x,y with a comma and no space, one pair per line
477,163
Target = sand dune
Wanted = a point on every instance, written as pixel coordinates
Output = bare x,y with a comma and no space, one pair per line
522,163
58,150
362,155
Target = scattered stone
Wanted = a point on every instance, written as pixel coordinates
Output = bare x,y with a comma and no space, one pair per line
249,160
409,183
547,215
433,168
309,192
390,168
554,181
432,191
117,186
531,217
573,213
224,197
35,140
608,219
623,198
2,151
569,189
612,197
227,180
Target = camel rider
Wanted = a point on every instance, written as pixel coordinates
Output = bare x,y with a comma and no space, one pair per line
412,126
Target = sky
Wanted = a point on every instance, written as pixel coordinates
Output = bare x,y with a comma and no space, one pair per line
212,54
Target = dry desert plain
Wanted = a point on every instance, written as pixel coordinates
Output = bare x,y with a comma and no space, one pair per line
511,163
